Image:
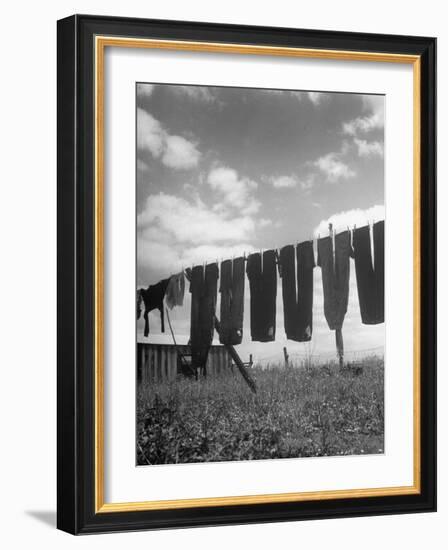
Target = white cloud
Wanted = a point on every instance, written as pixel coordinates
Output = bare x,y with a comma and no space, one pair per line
264,222
150,134
188,222
374,103
316,97
197,93
180,153
374,118
350,218
307,182
291,181
173,232
362,124
251,207
235,191
144,90
283,182
174,151
153,255
369,148
333,168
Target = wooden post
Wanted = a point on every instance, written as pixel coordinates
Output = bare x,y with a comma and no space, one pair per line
340,347
285,353
338,332
251,362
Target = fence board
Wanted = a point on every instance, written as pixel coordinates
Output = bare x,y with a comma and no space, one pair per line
158,362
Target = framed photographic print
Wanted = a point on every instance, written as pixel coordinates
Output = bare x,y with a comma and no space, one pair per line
246,274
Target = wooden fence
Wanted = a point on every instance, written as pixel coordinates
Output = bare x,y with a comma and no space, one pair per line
159,362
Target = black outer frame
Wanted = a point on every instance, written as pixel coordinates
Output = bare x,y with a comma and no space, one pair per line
75,172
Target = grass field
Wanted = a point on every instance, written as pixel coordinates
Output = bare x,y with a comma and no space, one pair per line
297,412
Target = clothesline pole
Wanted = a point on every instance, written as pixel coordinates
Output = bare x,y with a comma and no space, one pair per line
338,331
179,354
171,328
340,347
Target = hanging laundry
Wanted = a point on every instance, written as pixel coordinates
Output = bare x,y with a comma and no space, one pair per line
335,277
289,291
365,275
174,295
139,303
254,275
232,301
369,274
263,295
378,248
203,288
297,287
305,289
153,299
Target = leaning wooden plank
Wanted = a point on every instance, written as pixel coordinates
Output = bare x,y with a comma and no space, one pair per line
234,355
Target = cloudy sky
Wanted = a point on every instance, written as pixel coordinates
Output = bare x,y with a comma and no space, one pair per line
221,171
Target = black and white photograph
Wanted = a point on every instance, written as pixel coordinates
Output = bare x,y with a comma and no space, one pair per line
260,274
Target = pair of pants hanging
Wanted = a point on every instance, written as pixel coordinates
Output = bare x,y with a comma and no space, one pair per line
203,288
232,301
335,276
262,275
370,274
297,290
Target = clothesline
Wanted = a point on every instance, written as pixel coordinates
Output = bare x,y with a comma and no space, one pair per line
294,264
245,255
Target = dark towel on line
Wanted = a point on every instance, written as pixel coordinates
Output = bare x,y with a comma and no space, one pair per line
289,291
232,301
203,288
153,299
305,288
254,275
335,277
378,247
365,276
263,295
370,278
298,291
